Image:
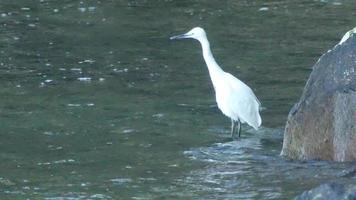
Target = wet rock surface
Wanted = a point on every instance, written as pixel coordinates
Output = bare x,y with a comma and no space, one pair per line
322,125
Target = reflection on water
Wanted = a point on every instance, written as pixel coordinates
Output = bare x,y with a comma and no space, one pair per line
97,103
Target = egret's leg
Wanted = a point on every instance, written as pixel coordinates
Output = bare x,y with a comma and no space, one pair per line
232,128
239,127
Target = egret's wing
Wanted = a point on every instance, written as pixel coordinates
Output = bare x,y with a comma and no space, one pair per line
243,102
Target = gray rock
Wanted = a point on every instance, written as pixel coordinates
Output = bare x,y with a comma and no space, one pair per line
330,191
322,125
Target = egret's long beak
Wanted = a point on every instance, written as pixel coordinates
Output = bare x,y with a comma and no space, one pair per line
182,36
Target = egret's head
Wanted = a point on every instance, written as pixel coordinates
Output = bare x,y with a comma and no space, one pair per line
196,33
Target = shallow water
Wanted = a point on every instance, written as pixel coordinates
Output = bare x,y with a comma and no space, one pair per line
97,103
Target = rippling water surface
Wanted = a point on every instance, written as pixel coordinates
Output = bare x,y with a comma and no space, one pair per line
97,103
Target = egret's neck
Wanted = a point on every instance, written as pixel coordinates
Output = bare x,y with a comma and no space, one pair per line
213,67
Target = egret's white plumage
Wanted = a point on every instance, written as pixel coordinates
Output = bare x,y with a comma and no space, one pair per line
234,98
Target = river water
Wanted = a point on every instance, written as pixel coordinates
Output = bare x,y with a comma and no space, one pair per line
97,102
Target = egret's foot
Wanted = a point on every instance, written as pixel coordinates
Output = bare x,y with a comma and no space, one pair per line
232,136
232,129
239,128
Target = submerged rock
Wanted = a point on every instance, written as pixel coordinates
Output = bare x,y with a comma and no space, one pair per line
322,125
6,182
330,191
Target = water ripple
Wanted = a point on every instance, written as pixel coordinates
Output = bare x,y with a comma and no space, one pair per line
235,168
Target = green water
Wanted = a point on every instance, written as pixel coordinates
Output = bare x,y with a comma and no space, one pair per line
97,103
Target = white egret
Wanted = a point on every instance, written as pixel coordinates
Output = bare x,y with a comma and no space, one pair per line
234,98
